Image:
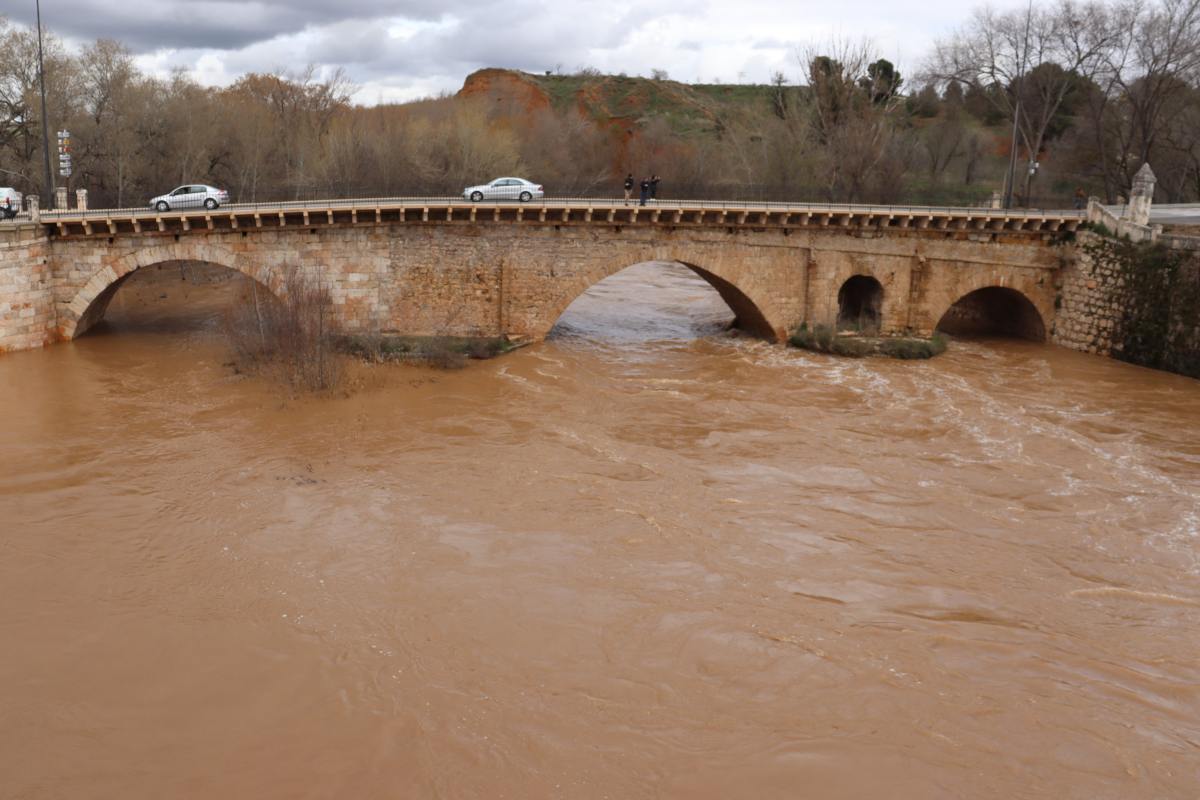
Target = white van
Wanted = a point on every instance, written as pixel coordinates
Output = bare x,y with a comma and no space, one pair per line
9,210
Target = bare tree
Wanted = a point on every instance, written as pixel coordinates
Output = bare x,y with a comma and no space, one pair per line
1034,57
1153,69
943,142
109,85
852,109
20,105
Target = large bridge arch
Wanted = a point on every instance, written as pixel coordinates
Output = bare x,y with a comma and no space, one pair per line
744,281
90,302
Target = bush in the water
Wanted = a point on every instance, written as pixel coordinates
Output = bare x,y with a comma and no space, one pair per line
913,348
824,339
289,336
445,352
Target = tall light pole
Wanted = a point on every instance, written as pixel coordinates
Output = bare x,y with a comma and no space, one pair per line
45,124
1012,156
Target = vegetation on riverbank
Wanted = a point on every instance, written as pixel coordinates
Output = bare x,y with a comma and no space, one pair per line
824,339
1160,298
445,352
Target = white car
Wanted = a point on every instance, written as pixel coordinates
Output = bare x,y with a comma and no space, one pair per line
504,189
194,195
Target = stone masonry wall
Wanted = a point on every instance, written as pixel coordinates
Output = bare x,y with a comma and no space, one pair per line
482,279
27,314
1091,302
1148,316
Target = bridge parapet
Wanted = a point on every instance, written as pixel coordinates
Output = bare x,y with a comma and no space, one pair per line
946,222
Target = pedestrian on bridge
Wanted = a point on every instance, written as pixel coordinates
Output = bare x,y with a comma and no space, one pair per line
654,188
645,187
628,187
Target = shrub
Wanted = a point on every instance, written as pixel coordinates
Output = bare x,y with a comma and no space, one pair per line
913,348
851,346
823,339
440,352
290,336
446,352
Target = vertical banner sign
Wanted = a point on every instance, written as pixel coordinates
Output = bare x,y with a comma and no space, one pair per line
64,153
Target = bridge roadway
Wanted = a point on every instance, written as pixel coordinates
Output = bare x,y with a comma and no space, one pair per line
687,213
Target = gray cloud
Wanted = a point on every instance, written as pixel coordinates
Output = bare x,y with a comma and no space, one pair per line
399,49
211,24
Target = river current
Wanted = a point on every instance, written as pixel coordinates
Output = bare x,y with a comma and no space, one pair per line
646,558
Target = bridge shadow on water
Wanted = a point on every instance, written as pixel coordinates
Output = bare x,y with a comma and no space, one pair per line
646,306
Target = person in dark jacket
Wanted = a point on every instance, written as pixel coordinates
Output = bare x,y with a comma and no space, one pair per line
628,187
645,187
654,188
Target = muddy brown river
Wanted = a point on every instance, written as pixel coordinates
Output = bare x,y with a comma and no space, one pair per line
646,558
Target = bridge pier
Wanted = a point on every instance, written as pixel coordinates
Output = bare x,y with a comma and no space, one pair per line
28,317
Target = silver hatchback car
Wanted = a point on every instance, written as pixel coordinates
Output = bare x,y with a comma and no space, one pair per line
194,195
504,189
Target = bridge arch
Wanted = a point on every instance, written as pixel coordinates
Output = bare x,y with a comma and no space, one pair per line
994,311
860,303
90,302
752,309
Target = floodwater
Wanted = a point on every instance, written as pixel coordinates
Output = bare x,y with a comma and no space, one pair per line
646,558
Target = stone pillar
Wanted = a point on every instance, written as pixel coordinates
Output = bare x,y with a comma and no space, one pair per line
35,214
1140,199
81,199
60,198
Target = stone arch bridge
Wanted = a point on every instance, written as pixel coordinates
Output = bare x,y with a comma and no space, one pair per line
426,267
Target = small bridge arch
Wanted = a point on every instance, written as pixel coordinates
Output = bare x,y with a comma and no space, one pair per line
994,311
860,303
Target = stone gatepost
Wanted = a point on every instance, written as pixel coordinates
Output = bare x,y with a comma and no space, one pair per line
1142,196
60,198
35,213
81,199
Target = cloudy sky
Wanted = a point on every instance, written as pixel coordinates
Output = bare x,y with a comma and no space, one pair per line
395,50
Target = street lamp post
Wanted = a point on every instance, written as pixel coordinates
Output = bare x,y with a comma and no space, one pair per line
1011,177
45,124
